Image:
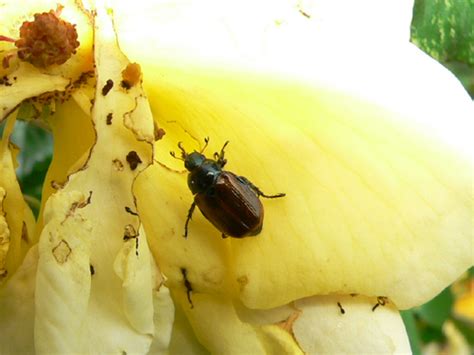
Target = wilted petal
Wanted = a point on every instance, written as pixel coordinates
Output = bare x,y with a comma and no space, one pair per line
29,82
64,276
12,16
118,312
17,223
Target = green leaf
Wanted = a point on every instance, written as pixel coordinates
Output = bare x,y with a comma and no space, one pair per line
430,334
464,73
412,331
36,149
435,312
445,29
471,271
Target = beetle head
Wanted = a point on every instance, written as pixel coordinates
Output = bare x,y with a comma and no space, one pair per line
193,160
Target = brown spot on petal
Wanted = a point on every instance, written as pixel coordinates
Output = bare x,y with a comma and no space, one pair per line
158,132
129,210
77,204
108,121
81,204
129,232
5,81
118,165
61,252
133,159
305,14
287,324
187,285
107,87
24,233
243,281
57,185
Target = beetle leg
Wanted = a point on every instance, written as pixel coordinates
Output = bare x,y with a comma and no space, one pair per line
219,157
224,236
190,215
206,142
257,190
221,162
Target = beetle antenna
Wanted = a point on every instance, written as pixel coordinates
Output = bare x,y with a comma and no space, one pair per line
223,147
206,142
183,152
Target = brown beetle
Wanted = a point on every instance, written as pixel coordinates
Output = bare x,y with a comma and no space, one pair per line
230,202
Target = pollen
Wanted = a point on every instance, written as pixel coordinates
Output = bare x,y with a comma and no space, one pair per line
131,75
47,40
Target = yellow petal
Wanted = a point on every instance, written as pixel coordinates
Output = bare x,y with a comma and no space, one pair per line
164,318
183,339
135,274
17,308
354,326
379,190
218,327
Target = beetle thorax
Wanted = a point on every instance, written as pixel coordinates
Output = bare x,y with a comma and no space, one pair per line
203,177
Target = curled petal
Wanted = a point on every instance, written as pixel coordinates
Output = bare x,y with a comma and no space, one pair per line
17,225
92,230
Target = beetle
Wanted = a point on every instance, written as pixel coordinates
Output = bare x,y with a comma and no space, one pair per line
230,202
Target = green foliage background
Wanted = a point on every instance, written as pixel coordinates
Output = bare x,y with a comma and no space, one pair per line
442,28
445,30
